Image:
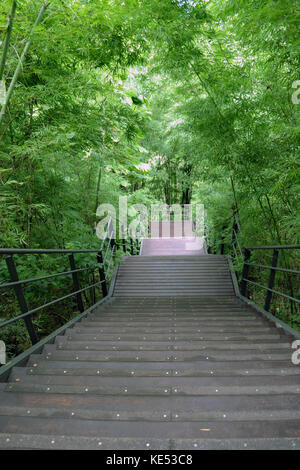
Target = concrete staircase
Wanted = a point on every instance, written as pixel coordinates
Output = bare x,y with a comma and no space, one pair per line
173,360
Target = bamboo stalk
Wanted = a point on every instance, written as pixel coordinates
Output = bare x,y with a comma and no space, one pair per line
21,61
7,38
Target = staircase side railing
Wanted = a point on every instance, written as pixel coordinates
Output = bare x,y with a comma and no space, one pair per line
105,261
241,255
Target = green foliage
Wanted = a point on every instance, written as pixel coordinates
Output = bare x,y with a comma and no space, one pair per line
201,91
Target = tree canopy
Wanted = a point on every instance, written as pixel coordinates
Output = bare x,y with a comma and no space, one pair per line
174,100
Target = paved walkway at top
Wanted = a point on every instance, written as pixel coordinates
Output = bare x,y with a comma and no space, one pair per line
172,238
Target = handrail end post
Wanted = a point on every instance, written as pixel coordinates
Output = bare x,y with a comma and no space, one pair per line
18,288
247,255
271,280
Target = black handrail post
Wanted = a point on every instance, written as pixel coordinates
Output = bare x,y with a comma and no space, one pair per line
131,247
112,243
76,284
222,241
18,288
93,289
234,228
271,280
247,254
102,274
123,242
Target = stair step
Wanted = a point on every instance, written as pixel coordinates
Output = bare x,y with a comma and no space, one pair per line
85,336
170,324
154,319
99,346
149,385
158,415
157,294
149,429
226,330
178,404
62,442
39,365
169,356
171,345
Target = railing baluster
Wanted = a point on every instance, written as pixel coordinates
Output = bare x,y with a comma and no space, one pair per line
271,280
93,289
131,247
247,254
123,239
102,274
76,284
234,228
21,298
222,241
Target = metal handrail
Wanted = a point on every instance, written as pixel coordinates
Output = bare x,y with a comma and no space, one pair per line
272,290
37,309
18,285
236,231
42,278
30,251
292,271
275,247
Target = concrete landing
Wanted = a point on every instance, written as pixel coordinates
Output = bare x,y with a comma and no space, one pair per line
173,246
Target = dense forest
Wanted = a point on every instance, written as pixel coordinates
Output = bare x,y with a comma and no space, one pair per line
177,101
